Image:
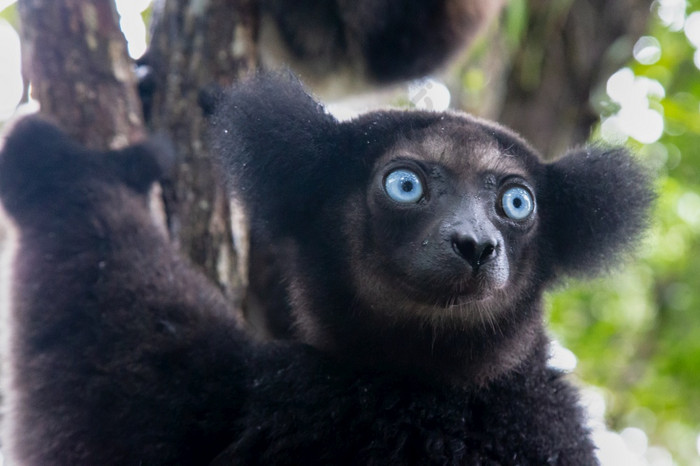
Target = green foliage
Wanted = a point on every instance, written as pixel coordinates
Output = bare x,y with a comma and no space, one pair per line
10,15
515,19
637,332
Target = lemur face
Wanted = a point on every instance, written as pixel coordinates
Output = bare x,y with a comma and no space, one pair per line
449,224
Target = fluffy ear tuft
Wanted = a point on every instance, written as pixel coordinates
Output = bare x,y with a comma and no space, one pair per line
276,143
33,155
596,208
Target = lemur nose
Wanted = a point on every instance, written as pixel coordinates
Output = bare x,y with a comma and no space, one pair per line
476,251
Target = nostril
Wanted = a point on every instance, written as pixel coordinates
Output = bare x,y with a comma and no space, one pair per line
474,251
487,253
466,248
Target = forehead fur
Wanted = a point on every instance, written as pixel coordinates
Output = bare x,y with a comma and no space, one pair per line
464,145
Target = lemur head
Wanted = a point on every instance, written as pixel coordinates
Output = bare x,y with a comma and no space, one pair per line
421,239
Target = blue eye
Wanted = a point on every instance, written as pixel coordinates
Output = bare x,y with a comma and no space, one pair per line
517,203
403,186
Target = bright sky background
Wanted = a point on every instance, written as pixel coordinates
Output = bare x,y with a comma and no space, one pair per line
10,78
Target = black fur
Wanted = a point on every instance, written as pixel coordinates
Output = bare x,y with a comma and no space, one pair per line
118,352
310,185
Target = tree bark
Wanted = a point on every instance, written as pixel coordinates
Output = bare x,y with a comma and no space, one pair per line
194,45
75,57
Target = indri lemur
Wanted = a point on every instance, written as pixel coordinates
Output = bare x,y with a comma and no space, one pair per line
418,247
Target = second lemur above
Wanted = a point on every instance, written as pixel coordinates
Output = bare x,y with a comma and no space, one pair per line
341,45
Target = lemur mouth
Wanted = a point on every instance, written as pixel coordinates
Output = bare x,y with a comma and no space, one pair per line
461,299
458,293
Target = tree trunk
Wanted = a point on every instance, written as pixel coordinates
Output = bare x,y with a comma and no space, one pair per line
75,57
196,44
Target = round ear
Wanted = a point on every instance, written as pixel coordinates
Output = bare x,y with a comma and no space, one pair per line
277,146
36,162
596,206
